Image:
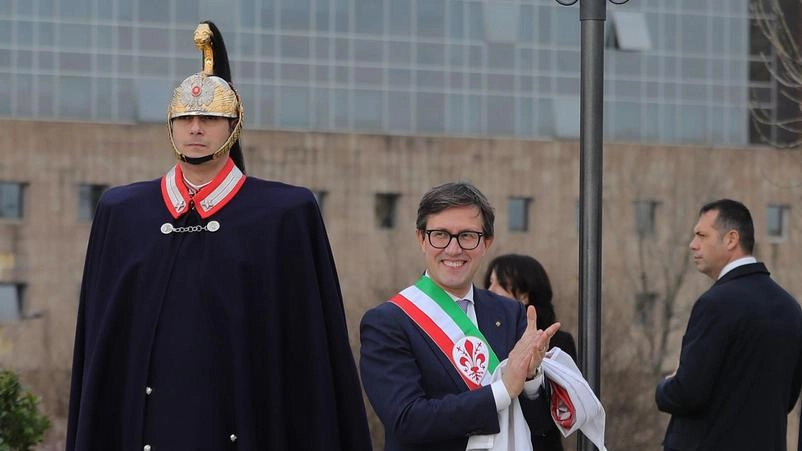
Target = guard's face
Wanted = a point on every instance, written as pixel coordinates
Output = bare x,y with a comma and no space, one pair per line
710,249
198,136
453,268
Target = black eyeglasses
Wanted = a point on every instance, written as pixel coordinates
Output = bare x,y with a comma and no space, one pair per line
467,239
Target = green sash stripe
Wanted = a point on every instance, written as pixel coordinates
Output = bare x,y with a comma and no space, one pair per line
441,298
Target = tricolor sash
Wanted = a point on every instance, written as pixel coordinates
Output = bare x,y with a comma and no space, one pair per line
463,344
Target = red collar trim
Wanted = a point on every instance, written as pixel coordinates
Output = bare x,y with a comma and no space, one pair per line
209,199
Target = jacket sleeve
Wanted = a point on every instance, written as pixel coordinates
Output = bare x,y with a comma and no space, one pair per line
703,348
394,385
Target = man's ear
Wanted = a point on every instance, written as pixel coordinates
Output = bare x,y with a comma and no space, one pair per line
421,236
733,239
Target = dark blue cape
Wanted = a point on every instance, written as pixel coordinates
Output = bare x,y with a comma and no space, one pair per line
240,333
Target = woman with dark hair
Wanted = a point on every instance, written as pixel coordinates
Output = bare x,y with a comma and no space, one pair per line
523,278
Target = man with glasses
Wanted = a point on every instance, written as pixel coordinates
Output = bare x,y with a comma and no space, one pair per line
432,355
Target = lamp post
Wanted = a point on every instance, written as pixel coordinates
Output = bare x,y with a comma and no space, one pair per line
592,14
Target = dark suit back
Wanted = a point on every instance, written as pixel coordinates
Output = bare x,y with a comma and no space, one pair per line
416,392
740,369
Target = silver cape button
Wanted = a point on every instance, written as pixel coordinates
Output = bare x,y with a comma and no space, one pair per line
148,390
213,226
167,228
233,438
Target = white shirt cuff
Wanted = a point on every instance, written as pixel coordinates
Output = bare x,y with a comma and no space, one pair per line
532,388
500,395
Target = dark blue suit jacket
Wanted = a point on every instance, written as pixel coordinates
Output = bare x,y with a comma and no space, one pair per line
416,392
740,368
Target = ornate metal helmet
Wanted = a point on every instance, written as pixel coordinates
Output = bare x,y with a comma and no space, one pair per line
209,93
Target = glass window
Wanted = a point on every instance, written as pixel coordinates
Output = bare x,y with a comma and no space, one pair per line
322,117
368,15
24,61
430,112
88,197
518,214
153,10
501,56
694,34
295,46
45,100
567,26
125,10
24,95
500,83
475,24
186,11
5,7
342,20
431,54
25,33
154,39
103,98
5,60
384,210
501,22
431,18
475,114
400,78
11,198
342,109
776,221
298,73
456,106
267,14
368,109
566,117
431,79
322,16
500,115
295,14
11,305
47,8
399,117
247,12
401,17
294,110
456,19
645,212
154,65
267,105
78,9
629,31
76,36
368,50
368,76
400,53
626,120
74,93
6,87
526,24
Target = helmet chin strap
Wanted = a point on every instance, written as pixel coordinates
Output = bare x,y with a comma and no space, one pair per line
196,160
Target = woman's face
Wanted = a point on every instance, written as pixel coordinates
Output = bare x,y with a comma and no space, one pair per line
496,287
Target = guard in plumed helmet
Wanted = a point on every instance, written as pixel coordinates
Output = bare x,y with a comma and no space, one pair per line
210,314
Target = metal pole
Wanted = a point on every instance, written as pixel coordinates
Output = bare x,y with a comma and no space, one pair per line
592,14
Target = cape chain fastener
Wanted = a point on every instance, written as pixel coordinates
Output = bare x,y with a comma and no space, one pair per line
211,226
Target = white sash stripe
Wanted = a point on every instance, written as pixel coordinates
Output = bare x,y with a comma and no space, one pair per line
447,324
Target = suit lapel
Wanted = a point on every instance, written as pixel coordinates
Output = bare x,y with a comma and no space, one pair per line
490,319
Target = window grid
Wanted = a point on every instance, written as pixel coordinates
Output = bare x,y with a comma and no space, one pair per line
42,91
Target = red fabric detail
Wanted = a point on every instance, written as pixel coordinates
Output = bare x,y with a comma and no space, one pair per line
562,409
432,330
